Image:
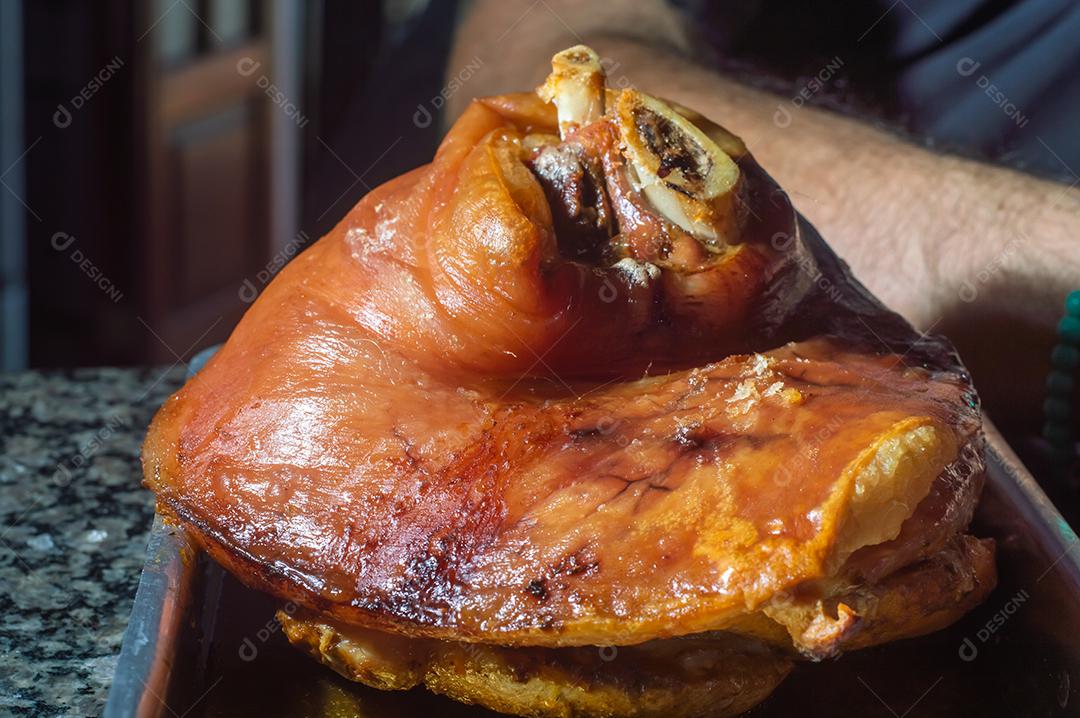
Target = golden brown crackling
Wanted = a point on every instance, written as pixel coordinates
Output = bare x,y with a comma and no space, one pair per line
711,674
538,527
714,675
377,440
919,599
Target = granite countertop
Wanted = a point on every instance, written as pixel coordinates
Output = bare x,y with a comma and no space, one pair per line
74,520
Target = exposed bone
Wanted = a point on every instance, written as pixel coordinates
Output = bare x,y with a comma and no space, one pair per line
731,145
682,172
576,86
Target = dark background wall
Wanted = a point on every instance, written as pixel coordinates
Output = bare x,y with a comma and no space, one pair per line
149,172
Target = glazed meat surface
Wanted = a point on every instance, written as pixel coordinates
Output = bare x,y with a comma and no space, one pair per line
710,674
664,506
584,380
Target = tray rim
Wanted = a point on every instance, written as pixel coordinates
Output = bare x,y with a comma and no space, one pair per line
144,665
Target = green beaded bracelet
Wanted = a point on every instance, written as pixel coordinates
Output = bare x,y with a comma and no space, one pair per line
1060,383
1069,329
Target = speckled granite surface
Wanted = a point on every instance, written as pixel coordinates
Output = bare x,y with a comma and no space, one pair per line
73,527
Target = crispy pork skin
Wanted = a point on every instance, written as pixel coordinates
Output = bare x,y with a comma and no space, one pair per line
712,675
583,381
659,507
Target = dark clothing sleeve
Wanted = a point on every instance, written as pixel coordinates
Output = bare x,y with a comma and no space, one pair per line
993,79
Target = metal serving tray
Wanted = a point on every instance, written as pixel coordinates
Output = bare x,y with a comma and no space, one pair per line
201,644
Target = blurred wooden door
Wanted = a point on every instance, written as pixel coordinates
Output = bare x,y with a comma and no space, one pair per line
223,114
